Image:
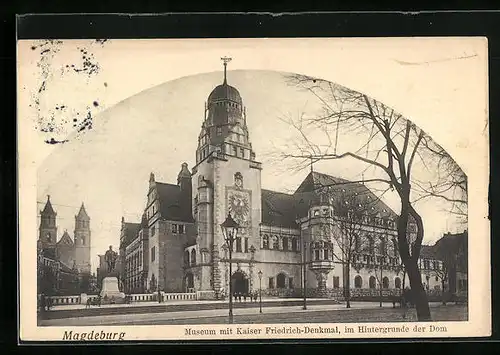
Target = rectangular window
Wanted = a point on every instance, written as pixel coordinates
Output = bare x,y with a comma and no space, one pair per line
181,229
242,152
235,151
285,243
174,228
336,282
153,253
246,245
153,229
219,131
290,282
265,241
316,254
294,244
271,283
238,244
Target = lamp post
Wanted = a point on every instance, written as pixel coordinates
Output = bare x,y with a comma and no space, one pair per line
229,230
260,290
304,278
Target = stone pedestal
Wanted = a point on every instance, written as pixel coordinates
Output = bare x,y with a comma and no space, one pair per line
321,276
110,293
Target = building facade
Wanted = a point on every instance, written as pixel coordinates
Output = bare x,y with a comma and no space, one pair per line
280,234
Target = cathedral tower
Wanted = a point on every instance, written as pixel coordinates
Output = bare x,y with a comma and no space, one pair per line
48,229
82,241
226,179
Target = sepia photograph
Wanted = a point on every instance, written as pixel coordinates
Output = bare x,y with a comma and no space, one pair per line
233,189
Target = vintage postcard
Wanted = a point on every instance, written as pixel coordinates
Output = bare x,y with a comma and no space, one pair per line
253,189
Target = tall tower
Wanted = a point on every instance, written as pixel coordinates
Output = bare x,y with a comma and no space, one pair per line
48,229
82,241
226,179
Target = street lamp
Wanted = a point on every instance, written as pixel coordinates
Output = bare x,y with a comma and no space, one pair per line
260,290
229,230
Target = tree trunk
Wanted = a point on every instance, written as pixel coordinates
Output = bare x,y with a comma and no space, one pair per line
418,293
444,294
347,285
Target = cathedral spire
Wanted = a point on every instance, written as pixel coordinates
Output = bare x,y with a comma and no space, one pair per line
82,214
48,210
225,60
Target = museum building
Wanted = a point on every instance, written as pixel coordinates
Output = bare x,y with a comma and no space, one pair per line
179,246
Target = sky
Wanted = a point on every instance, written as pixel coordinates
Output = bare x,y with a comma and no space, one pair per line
149,125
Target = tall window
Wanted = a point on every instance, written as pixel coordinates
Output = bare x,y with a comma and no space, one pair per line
246,245
326,252
285,243
153,249
238,244
276,242
316,254
382,246
281,280
235,151
153,229
242,152
219,131
193,256
294,244
372,282
186,258
265,241
358,282
371,245
181,229
336,282
290,282
174,228
271,282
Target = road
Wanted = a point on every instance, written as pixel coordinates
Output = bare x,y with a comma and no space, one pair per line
361,312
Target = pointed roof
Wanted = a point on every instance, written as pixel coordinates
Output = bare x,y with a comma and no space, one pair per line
82,214
48,210
65,239
184,173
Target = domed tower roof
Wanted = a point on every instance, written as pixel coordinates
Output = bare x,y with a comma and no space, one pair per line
225,92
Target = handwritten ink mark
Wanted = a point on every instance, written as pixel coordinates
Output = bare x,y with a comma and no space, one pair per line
53,141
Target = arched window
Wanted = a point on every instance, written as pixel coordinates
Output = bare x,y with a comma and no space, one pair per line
385,282
265,241
294,244
372,282
397,282
281,280
358,282
193,256
326,251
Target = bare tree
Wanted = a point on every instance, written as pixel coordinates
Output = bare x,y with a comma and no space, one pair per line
388,143
349,210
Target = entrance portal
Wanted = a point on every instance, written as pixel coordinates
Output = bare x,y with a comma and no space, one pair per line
239,283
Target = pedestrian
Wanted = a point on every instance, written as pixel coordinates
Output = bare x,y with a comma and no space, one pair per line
239,297
159,296
244,297
235,297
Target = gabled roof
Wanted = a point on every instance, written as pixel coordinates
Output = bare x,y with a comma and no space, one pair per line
65,239
174,203
130,230
282,210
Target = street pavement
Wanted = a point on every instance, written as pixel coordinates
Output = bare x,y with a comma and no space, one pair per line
360,312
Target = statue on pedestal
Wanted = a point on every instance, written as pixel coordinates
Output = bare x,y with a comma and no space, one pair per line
110,258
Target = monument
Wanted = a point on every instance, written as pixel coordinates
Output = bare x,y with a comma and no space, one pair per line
110,291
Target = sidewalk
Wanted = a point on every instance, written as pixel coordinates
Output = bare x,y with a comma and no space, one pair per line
196,315
168,303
